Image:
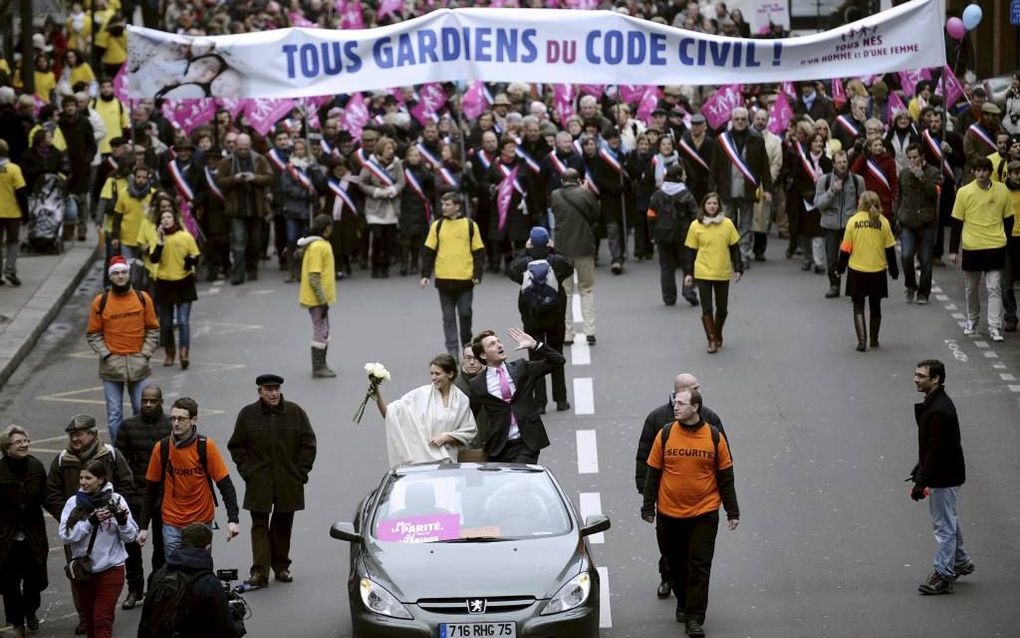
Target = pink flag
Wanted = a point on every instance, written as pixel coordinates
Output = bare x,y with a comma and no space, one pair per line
262,113
563,102
649,101
311,105
120,85
505,196
716,109
389,8
838,93
234,105
631,93
868,80
954,90
909,79
39,103
476,100
895,103
298,20
581,4
355,115
789,89
431,98
592,89
350,14
780,114
188,115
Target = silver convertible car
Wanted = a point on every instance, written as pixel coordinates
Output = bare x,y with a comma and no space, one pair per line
465,550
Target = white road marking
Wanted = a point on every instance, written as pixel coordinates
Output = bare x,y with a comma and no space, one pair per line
584,396
999,366
936,289
580,352
981,344
591,505
605,611
990,354
587,452
950,306
959,315
575,307
1014,388
214,291
1005,376
942,297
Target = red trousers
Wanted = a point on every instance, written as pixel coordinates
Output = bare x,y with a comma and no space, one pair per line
98,600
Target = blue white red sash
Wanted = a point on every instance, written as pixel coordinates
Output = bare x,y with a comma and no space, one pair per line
360,156
591,181
180,182
429,157
484,159
417,189
876,171
378,172
449,178
935,146
278,160
300,177
210,179
848,125
533,166
507,172
691,152
338,189
809,165
328,148
609,157
726,140
577,146
982,134
557,164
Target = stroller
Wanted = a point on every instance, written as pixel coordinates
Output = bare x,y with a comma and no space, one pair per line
46,208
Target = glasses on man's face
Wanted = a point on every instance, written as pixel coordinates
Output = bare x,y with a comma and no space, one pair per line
19,443
180,419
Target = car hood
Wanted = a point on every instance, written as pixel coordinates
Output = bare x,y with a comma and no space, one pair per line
533,567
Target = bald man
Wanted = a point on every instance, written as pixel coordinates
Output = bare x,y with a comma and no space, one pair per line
654,422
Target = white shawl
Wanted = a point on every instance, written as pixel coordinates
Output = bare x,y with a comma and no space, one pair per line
418,417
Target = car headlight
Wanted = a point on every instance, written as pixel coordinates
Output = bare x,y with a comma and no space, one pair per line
380,601
571,595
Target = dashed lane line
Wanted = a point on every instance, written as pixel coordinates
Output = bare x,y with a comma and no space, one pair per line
587,452
605,611
580,352
591,505
584,396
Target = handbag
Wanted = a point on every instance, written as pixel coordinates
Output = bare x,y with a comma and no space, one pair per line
79,569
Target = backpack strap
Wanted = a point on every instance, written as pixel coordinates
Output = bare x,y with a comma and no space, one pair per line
203,460
715,441
106,295
471,231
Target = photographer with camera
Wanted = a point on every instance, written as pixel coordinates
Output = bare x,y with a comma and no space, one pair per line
95,524
187,599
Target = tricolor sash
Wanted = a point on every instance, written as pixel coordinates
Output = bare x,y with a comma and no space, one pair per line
378,172
533,166
417,189
935,146
730,148
360,156
577,146
277,159
484,159
876,171
183,188
449,178
609,157
591,181
345,199
982,134
429,157
848,125
557,164
809,165
692,153
210,179
300,177
328,148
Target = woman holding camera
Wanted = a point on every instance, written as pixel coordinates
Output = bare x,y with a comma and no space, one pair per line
96,523
23,546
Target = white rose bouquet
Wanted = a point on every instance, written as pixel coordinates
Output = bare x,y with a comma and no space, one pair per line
377,373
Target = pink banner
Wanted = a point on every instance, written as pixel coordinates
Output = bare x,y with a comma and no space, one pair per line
581,4
262,114
838,93
649,101
632,93
504,197
592,89
909,80
780,114
954,89
895,104
310,105
419,529
868,80
298,20
350,14
716,109
790,89
233,105
563,102
188,115
389,8
476,100
355,115
119,85
431,98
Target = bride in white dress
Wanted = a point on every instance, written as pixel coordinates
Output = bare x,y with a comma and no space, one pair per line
430,423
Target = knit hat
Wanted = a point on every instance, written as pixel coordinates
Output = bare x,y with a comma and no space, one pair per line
320,223
118,264
539,236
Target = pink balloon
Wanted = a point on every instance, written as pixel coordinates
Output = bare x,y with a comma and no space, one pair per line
955,28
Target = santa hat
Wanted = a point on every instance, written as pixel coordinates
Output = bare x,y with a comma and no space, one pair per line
118,264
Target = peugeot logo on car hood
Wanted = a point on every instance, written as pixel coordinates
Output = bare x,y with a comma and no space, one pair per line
476,605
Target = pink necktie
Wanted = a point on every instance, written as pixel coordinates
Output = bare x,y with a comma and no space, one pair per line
504,385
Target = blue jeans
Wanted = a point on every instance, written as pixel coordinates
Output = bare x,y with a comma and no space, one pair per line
740,211
294,228
179,314
113,391
919,241
456,305
172,537
948,535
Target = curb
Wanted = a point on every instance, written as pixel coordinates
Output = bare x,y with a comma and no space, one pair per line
47,316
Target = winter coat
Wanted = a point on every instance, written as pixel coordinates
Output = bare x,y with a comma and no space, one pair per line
234,189
273,449
62,479
575,210
12,129
21,507
108,550
380,207
80,148
757,160
916,194
836,207
887,166
683,209
939,453
298,200
36,164
135,442
518,218
415,213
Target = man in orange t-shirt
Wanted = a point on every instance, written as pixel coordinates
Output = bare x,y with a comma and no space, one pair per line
185,482
123,331
689,476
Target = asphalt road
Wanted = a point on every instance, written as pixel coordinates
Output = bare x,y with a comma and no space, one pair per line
829,543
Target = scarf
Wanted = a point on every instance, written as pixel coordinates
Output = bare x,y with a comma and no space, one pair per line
139,193
718,219
86,501
191,436
673,188
300,162
85,454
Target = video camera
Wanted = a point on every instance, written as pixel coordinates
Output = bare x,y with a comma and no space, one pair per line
236,603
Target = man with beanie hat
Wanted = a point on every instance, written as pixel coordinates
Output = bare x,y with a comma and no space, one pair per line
318,289
542,302
123,331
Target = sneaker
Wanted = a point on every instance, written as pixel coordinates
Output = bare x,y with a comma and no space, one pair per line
908,295
970,329
935,585
284,576
591,340
131,601
922,300
995,335
13,279
964,569
616,268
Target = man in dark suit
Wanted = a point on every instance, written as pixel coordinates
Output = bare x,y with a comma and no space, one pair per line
506,392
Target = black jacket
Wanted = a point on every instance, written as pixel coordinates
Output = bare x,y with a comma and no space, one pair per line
939,453
655,421
22,493
562,269
81,148
62,478
757,161
207,613
135,441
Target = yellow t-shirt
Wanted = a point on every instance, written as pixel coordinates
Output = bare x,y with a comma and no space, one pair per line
102,18
318,259
866,242
45,82
982,212
79,40
1014,200
176,247
712,242
82,73
114,116
454,260
11,180
133,211
998,162
116,49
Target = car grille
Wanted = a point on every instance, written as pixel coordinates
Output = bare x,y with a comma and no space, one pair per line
456,606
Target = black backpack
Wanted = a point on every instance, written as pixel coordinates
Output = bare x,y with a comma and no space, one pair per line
715,441
167,602
203,460
540,290
671,219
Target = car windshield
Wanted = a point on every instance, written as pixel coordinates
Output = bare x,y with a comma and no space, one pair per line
469,504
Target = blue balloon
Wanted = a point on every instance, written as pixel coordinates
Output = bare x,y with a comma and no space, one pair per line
972,16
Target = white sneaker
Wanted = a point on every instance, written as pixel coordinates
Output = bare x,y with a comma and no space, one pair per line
995,334
970,329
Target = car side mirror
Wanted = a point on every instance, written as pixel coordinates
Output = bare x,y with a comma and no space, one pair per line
345,532
595,524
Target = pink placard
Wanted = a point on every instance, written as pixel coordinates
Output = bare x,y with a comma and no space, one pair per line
431,98
649,101
355,115
476,100
716,109
895,103
909,80
188,115
780,114
264,113
419,529
838,93
563,102
954,89
632,93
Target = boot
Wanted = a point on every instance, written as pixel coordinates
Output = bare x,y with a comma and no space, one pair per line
288,265
82,227
69,230
861,328
709,323
169,351
876,325
720,321
319,368
185,353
